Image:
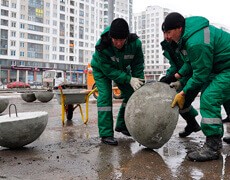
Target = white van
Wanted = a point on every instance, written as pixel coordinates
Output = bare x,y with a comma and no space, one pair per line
53,78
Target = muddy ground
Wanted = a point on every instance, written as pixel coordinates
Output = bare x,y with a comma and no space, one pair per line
74,151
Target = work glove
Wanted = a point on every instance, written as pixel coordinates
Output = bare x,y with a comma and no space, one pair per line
179,101
136,83
176,85
168,79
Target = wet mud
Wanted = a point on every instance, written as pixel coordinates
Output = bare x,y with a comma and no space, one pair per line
74,151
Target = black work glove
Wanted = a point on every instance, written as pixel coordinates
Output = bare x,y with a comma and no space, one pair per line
168,79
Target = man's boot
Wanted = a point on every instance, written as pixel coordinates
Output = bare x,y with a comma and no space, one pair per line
227,119
192,126
226,139
210,150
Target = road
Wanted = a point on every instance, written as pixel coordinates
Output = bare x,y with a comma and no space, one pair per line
74,151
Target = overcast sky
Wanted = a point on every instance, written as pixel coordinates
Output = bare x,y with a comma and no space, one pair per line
217,11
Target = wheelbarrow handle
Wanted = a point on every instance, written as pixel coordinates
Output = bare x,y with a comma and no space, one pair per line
62,105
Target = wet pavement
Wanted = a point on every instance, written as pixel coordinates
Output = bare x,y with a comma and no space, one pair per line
74,151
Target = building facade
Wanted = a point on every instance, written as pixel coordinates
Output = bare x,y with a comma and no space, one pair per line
147,25
37,35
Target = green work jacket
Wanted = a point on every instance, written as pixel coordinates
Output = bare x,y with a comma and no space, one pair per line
119,65
206,48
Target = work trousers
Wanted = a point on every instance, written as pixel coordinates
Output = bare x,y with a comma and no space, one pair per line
215,94
105,105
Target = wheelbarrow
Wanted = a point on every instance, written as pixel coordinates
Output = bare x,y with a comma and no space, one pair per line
70,99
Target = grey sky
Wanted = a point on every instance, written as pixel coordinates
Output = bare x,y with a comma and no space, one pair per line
216,11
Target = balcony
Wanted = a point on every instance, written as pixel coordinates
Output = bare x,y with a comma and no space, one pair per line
4,46
5,3
3,52
4,22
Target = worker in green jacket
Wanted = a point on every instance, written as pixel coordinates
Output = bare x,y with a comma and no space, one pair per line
118,57
207,50
179,69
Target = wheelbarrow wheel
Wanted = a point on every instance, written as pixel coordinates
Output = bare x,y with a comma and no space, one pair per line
69,112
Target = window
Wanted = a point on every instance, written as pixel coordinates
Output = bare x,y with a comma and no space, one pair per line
54,15
54,31
62,16
22,26
22,54
47,56
22,35
55,23
4,12
81,32
22,44
47,13
13,43
54,56
47,47
13,53
13,14
13,24
81,55
62,49
62,41
4,22
22,63
14,5
80,44
61,57
22,16
13,33
62,8
23,7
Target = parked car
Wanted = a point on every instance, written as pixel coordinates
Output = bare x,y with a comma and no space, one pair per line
17,84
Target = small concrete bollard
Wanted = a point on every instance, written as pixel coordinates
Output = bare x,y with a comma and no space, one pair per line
149,117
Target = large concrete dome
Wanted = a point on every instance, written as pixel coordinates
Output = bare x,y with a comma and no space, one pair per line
149,116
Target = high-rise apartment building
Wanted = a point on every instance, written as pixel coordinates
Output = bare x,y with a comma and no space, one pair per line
37,35
147,25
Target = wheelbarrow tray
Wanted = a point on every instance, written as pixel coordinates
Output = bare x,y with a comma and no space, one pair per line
72,96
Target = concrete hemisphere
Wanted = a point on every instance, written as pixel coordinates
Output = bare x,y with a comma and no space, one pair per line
4,102
28,96
18,130
44,96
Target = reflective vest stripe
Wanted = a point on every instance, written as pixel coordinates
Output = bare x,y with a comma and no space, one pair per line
182,111
211,121
107,108
207,35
